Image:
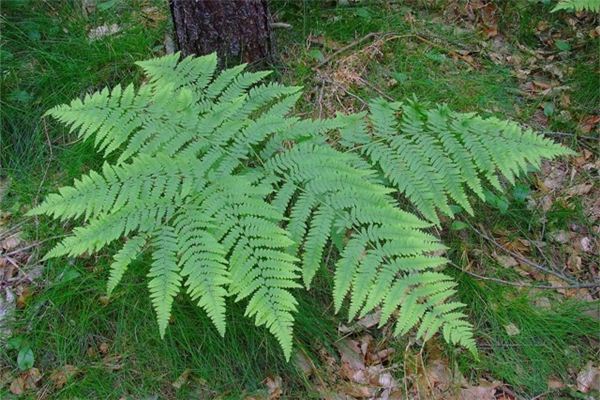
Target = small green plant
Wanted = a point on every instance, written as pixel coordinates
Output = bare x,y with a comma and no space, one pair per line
233,197
578,5
25,356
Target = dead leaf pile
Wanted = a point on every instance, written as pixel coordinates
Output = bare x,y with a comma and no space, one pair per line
18,274
28,380
477,15
565,185
543,70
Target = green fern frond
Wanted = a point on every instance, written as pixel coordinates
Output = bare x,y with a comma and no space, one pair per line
202,261
165,279
143,182
110,116
130,250
434,155
578,5
260,266
193,72
389,246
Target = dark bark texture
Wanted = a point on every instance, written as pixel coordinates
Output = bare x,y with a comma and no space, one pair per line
235,29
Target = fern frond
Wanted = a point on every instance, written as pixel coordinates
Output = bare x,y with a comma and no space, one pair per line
433,155
260,266
316,239
165,279
192,72
143,182
578,5
110,116
202,261
130,250
387,250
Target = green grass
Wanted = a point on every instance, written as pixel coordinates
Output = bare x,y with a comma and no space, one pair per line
47,59
420,69
552,343
68,317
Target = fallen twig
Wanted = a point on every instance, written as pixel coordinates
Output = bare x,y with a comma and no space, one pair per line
568,134
386,37
523,284
520,257
37,243
347,47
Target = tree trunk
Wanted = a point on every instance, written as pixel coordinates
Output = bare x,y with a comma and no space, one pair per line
235,29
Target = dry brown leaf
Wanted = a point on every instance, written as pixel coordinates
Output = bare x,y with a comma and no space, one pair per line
17,386
153,16
438,375
32,377
24,296
486,391
562,236
90,352
588,378
274,385
490,31
386,380
555,384
303,363
357,390
546,203
589,123
581,293
380,356
351,354
103,348
61,376
579,190
324,41
586,244
543,302
574,263
102,31
540,118
370,320
11,242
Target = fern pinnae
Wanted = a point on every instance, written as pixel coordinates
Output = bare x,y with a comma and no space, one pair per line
165,280
577,5
130,250
316,239
203,264
346,266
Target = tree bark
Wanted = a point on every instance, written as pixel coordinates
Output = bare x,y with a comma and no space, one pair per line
235,29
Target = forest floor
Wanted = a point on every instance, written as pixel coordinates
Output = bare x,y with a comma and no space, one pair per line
527,264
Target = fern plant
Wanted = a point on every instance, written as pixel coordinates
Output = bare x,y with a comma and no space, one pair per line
577,5
235,198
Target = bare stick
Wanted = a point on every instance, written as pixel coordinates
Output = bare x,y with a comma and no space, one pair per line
521,257
522,284
347,47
